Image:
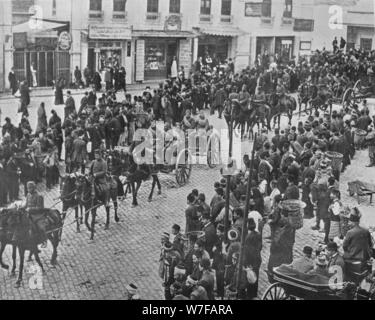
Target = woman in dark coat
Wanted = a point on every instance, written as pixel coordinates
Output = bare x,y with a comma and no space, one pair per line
59,97
25,97
282,242
97,80
253,258
42,119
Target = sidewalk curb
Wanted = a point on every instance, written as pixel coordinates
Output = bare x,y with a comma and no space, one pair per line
43,91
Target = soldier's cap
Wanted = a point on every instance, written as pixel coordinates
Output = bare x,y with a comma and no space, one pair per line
307,250
332,246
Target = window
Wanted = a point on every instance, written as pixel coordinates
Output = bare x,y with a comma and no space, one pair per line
53,7
288,9
174,6
206,7
119,5
266,8
153,6
226,7
95,5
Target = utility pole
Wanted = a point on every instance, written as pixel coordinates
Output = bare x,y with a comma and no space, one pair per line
245,218
227,189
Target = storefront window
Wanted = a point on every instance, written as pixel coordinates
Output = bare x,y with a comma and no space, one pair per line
109,58
155,57
205,6
95,5
174,6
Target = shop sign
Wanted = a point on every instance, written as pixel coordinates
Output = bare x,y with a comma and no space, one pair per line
109,32
65,40
173,23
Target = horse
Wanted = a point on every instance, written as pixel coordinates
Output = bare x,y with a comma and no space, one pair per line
279,106
259,113
303,96
20,228
320,99
91,198
240,117
134,175
68,198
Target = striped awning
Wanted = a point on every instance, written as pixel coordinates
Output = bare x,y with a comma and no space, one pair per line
222,32
162,34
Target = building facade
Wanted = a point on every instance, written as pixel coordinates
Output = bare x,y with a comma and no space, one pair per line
145,36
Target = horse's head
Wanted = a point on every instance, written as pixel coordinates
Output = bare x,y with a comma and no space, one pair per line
17,218
67,184
82,183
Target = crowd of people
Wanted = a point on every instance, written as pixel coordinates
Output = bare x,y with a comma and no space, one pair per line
292,165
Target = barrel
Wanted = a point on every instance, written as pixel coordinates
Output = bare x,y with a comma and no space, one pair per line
336,160
294,210
359,137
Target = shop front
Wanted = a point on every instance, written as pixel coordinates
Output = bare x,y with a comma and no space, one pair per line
109,47
42,57
155,51
283,46
219,43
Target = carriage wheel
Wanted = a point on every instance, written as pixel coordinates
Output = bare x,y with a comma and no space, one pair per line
275,292
357,87
213,151
348,98
183,168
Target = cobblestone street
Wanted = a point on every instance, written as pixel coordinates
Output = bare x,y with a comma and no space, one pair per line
129,251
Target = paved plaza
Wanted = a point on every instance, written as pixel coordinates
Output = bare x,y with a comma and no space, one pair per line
129,250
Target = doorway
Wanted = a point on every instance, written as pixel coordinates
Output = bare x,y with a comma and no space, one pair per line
171,52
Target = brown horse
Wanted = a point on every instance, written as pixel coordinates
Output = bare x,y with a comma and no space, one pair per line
20,228
91,198
279,106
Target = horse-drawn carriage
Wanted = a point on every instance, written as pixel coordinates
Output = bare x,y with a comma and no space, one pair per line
345,94
289,284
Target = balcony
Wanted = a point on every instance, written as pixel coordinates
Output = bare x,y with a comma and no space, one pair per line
96,15
119,15
226,19
267,20
153,16
205,18
287,21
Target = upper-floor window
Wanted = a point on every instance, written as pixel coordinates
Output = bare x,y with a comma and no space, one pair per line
95,5
288,8
119,5
174,6
205,6
153,6
266,8
226,7
53,7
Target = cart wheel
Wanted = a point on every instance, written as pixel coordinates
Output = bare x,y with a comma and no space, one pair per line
213,151
275,292
348,98
357,87
183,168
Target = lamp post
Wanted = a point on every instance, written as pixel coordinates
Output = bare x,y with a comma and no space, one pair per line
245,218
227,189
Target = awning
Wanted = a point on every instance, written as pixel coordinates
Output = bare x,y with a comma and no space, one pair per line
162,34
110,32
41,25
360,19
222,32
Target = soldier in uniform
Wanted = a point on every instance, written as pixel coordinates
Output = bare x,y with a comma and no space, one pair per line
99,171
34,205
